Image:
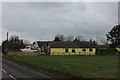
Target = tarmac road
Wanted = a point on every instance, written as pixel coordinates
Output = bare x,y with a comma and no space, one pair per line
15,71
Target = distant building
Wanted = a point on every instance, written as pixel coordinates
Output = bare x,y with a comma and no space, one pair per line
118,48
66,48
72,48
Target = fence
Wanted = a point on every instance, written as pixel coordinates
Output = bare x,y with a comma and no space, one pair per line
51,54
23,53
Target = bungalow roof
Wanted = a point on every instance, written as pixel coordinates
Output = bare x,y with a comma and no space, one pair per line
66,44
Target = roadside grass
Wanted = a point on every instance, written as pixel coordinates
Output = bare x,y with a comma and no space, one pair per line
75,66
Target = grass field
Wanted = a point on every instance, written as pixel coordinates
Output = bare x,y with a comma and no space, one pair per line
77,66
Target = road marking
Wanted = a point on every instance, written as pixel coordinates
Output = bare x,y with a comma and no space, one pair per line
8,74
12,77
3,70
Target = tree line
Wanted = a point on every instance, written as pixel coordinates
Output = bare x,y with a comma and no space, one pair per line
113,36
13,44
113,39
80,38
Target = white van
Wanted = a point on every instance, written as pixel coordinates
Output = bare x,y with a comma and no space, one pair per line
29,49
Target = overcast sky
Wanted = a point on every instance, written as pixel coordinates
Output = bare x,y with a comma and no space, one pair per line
43,20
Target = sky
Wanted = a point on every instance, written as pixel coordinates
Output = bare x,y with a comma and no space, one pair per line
43,20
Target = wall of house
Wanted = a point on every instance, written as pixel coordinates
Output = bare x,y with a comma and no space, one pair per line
118,49
78,51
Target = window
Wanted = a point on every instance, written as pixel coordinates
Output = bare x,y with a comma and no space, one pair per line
27,47
84,49
66,50
73,50
90,49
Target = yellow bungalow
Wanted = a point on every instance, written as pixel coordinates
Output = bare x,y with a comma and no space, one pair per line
72,48
118,48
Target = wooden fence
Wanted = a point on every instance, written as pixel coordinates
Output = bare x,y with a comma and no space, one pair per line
23,53
51,54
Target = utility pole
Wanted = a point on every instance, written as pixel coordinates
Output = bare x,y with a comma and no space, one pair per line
7,44
7,36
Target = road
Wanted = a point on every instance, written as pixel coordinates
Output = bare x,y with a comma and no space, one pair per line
13,71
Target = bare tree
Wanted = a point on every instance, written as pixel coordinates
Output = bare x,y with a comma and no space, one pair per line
101,41
14,44
15,38
69,38
26,42
80,38
60,36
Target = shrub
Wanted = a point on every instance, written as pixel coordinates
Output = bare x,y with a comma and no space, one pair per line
107,51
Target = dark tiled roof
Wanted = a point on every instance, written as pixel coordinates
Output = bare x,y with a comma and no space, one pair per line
62,44
66,44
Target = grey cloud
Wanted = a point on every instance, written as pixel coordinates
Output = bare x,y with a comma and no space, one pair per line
45,20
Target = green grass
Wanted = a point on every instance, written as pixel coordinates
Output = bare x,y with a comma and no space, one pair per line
77,66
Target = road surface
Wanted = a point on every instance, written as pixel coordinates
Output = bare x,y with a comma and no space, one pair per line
13,71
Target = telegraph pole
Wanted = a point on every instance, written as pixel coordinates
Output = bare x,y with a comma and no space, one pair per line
7,44
7,36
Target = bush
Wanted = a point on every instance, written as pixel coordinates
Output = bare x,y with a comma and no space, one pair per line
107,51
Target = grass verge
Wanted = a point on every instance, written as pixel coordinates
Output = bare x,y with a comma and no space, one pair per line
74,66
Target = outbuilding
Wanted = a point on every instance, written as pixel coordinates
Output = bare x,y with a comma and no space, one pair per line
118,48
72,48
